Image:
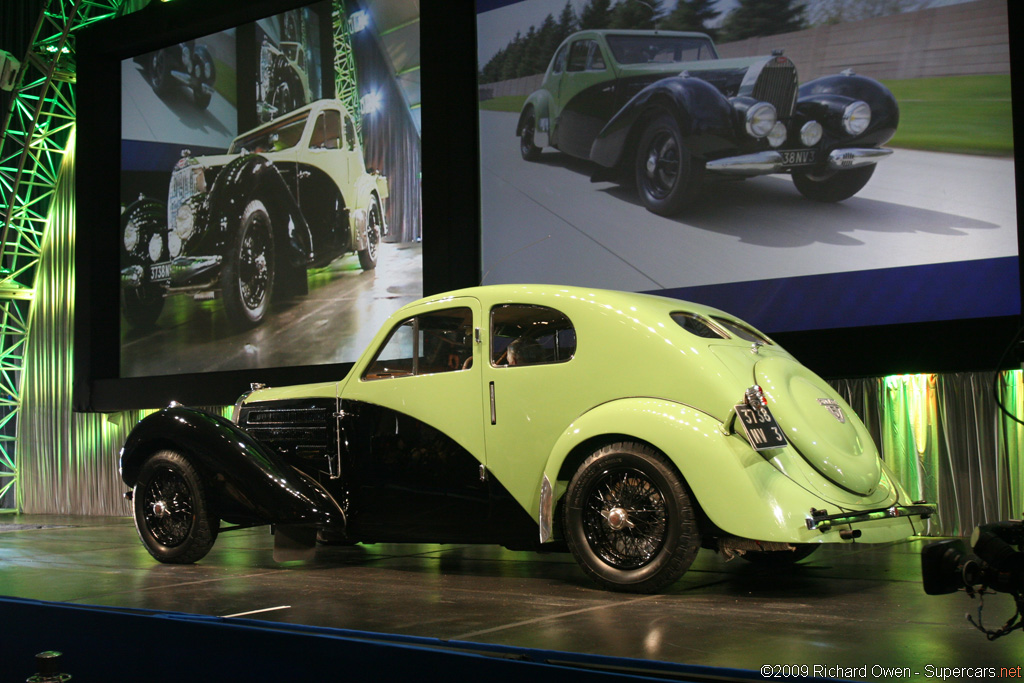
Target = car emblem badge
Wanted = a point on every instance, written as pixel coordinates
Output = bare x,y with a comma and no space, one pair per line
833,407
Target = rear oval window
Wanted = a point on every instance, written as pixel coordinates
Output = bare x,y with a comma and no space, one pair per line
738,329
698,326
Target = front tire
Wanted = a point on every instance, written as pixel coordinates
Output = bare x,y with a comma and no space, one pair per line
201,97
629,520
666,175
172,512
374,220
835,186
247,281
142,306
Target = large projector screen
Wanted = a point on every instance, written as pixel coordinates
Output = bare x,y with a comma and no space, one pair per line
927,250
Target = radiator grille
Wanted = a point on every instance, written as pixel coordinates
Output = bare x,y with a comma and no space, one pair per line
777,85
290,431
184,184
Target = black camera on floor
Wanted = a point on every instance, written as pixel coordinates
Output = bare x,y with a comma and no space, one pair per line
946,566
995,565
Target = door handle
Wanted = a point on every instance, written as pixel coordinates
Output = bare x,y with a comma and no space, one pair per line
494,419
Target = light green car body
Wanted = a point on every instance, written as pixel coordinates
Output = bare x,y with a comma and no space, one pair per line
638,376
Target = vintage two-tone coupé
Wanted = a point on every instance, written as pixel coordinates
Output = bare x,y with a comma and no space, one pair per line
660,109
635,429
289,195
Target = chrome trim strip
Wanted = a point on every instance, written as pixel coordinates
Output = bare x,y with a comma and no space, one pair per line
759,163
853,157
186,269
822,521
546,509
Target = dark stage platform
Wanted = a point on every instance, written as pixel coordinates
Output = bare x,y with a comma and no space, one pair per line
855,612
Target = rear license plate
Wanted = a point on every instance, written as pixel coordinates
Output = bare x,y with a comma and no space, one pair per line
160,272
797,157
762,431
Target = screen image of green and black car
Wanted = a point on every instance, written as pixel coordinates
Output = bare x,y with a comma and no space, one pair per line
813,181
269,190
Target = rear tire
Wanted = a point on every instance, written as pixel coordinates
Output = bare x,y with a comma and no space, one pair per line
629,520
527,148
172,512
374,221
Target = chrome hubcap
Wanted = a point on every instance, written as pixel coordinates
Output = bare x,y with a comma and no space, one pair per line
160,509
617,518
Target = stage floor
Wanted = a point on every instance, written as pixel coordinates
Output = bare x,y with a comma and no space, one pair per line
856,612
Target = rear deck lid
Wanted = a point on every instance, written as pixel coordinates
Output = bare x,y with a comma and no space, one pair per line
820,425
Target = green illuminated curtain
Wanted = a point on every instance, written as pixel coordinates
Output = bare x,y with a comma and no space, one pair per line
67,462
948,443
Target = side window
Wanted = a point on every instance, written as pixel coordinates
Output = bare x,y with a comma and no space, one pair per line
559,64
522,334
327,132
578,53
439,341
350,133
596,61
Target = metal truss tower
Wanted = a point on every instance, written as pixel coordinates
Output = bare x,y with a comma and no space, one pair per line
35,134
345,85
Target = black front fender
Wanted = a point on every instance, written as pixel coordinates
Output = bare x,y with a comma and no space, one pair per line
242,473
824,98
243,180
704,116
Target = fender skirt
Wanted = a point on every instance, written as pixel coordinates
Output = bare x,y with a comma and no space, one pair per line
242,473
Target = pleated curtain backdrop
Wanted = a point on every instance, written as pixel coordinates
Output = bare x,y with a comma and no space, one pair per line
948,443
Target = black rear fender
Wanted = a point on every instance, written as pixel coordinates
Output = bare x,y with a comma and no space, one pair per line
242,473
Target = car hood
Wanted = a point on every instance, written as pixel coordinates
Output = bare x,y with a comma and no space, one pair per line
213,160
727,75
820,425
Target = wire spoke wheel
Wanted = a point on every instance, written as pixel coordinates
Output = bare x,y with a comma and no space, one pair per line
172,513
253,271
168,508
374,229
247,279
625,519
628,519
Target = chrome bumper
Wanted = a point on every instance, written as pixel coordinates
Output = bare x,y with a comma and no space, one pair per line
822,521
763,163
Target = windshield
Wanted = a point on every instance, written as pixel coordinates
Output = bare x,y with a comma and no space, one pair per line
655,49
280,135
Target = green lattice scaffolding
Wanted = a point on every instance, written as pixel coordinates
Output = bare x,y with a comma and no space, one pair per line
34,137
345,86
